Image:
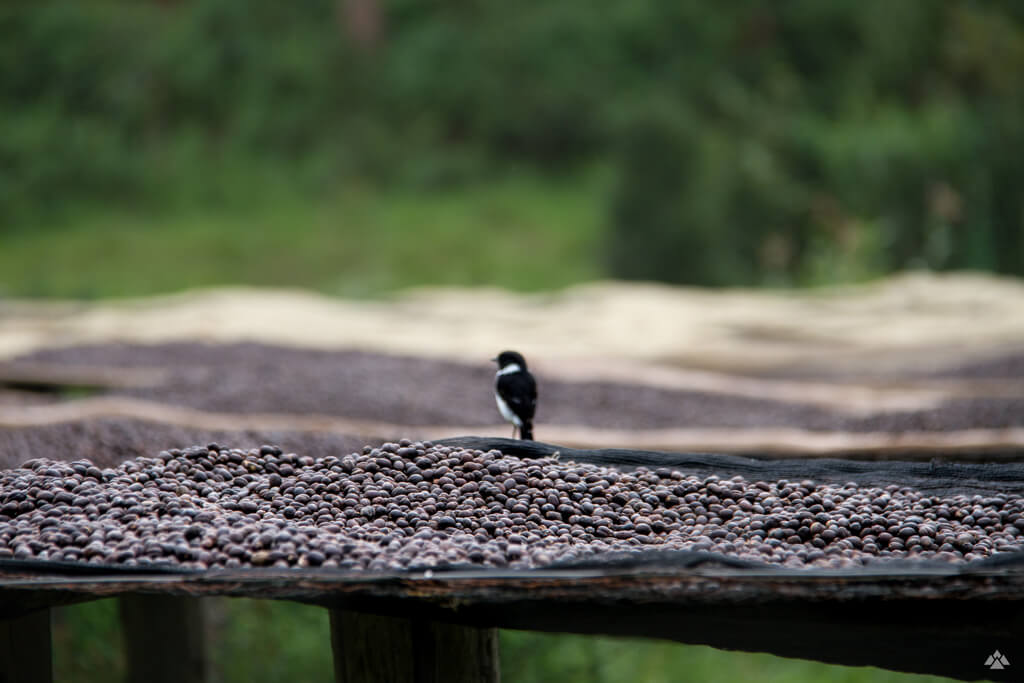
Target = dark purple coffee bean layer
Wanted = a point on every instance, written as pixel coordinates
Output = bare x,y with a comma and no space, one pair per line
418,505
221,378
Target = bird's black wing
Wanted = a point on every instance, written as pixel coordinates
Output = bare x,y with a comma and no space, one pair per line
519,391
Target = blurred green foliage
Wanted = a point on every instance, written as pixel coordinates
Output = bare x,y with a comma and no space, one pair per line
753,143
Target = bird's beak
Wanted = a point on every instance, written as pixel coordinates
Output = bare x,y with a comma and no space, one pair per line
494,360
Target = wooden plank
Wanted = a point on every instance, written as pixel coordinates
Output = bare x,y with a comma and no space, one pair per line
25,649
369,648
450,652
164,639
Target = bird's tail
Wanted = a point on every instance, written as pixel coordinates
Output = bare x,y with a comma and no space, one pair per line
526,431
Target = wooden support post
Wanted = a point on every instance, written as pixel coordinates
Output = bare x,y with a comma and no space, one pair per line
164,639
26,654
369,648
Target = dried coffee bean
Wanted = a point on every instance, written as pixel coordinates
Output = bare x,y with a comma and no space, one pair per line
414,504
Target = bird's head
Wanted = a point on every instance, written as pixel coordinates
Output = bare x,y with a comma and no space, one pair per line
506,358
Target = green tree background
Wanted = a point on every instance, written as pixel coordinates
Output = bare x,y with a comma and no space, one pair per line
743,143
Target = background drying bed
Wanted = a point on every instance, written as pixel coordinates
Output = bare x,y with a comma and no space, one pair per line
924,616
264,393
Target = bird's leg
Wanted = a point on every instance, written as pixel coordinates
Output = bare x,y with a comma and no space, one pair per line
513,431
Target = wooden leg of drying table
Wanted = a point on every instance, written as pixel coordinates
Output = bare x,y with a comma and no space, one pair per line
25,649
164,639
372,648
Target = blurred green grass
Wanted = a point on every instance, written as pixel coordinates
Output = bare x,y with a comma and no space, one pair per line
523,233
256,641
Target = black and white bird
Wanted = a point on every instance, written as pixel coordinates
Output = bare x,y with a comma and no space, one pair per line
515,392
